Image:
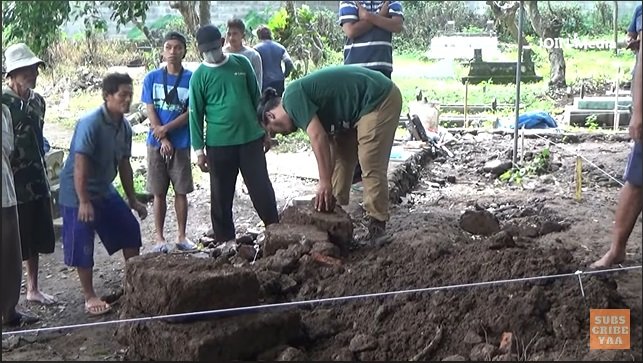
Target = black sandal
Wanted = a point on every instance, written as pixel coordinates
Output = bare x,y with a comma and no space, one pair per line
21,319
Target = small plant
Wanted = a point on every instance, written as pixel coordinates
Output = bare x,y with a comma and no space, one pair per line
591,122
537,166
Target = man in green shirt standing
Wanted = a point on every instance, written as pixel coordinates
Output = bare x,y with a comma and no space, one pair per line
224,93
350,113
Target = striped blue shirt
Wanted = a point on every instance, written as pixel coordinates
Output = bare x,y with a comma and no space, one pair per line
373,49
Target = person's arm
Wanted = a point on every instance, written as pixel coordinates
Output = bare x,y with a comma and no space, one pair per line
85,146
181,120
288,65
147,97
631,30
393,25
126,175
352,25
321,148
196,113
251,81
258,68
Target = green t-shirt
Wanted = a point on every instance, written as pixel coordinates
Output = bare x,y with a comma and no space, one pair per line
338,95
225,96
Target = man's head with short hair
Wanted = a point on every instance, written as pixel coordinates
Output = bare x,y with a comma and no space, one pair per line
236,32
264,33
174,47
118,92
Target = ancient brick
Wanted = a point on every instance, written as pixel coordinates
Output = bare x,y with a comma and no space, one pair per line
234,338
282,235
338,224
159,284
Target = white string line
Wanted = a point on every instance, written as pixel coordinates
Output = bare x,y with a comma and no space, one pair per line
582,157
314,301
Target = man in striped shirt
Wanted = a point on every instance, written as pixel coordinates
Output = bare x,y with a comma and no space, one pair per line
369,28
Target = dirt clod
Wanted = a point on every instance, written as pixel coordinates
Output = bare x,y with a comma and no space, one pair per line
482,352
362,343
501,240
479,222
338,224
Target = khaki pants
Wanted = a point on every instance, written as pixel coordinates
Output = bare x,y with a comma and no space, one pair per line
371,141
11,262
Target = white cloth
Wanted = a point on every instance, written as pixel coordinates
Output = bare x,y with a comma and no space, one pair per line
8,190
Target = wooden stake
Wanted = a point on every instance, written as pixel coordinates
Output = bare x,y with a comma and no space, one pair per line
466,103
579,178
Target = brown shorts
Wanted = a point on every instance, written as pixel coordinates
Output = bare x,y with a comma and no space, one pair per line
162,171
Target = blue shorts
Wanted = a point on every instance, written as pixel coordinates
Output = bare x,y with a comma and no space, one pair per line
634,169
114,223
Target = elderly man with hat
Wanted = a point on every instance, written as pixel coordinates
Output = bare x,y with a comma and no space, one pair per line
165,93
224,94
27,109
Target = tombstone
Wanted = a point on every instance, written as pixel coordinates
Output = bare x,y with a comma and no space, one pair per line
489,28
450,26
477,55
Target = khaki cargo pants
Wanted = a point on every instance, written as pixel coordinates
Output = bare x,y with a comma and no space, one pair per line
370,141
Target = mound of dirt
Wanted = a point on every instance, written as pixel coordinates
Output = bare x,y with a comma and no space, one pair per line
542,319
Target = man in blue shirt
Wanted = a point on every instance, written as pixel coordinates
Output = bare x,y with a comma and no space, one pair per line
632,34
165,93
369,28
272,55
100,147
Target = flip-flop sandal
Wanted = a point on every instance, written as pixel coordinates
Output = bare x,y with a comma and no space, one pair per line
98,310
161,248
186,246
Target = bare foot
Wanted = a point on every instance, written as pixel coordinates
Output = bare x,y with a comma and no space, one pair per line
40,298
96,306
609,259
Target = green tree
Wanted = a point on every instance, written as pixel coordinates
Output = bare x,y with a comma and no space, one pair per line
36,23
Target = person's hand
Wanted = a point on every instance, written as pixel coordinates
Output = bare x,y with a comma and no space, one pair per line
166,147
139,208
202,162
384,9
159,132
324,199
636,124
267,143
362,13
85,212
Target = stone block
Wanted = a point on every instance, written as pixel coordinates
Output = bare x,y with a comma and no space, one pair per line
337,224
235,338
282,235
160,284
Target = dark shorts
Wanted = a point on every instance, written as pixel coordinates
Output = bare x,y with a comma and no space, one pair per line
634,169
36,228
114,223
176,170
277,85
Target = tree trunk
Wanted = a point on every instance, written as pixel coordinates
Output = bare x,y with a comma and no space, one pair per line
188,12
204,13
549,29
505,14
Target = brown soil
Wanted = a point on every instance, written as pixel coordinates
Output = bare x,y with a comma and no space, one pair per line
549,319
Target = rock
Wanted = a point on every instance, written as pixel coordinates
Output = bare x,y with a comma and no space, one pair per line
482,352
326,249
548,227
362,343
343,355
246,240
496,167
321,325
506,343
246,252
454,358
282,235
508,357
479,222
160,284
10,343
534,226
233,338
382,312
500,240
274,283
451,179
284,261
337,224
472,338
291,354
